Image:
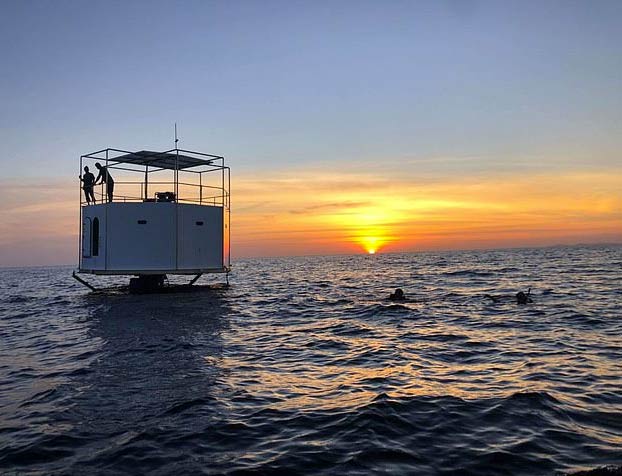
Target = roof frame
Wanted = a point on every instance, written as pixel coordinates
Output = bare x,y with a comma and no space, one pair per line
173,159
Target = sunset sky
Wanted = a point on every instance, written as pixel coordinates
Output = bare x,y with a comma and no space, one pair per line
350,127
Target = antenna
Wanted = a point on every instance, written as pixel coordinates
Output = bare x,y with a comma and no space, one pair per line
176,139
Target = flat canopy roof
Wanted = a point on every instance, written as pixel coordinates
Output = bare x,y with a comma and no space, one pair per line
164,160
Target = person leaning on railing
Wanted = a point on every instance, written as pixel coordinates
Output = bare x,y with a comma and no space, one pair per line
106,178
88,180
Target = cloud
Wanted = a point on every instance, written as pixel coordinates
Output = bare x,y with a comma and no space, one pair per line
329,206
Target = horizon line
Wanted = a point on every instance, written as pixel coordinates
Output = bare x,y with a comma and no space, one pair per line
443,250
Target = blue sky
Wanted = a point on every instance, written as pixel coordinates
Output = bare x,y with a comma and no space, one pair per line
273,84
411,125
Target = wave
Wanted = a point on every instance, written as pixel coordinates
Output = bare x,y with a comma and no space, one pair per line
600,471
469,273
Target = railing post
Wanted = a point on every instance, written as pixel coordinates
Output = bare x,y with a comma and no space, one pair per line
80,231
105,197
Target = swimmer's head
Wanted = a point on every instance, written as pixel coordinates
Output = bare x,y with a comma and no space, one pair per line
521,298
398,295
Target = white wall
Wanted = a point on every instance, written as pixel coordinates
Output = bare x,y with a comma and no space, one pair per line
141,237
200,246
136,246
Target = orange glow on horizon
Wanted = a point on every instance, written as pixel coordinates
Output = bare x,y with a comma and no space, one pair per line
349,213
308,212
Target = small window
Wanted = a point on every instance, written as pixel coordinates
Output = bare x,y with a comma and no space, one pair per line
200,223
87,237
142,222
95,247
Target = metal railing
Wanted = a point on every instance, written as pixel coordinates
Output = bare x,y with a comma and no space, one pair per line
134,191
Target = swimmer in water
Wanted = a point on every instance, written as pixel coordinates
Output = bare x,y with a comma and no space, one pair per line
398,295
521,297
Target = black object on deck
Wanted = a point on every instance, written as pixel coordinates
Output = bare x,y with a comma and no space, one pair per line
165,196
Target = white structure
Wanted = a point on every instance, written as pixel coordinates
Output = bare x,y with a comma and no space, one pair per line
180,228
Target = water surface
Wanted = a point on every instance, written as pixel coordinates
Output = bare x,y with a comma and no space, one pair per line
303,367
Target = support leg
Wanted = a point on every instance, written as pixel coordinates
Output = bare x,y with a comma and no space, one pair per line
82,281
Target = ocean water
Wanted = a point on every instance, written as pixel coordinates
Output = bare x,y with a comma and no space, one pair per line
302,366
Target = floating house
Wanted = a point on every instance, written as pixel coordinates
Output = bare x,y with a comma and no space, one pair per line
154,214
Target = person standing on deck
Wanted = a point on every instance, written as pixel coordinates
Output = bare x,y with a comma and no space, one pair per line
88,181
106,178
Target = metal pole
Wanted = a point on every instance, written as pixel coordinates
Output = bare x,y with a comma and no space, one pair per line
106,215
229,216
80,231
176,202
146,181
200,188
176,175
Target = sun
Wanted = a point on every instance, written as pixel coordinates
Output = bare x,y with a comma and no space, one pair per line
371,244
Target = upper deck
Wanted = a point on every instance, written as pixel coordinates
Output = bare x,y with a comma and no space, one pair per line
175,175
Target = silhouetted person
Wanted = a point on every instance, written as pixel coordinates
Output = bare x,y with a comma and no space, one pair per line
106,178
88,181
398,295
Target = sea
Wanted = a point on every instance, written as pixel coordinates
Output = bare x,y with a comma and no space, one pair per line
303,366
